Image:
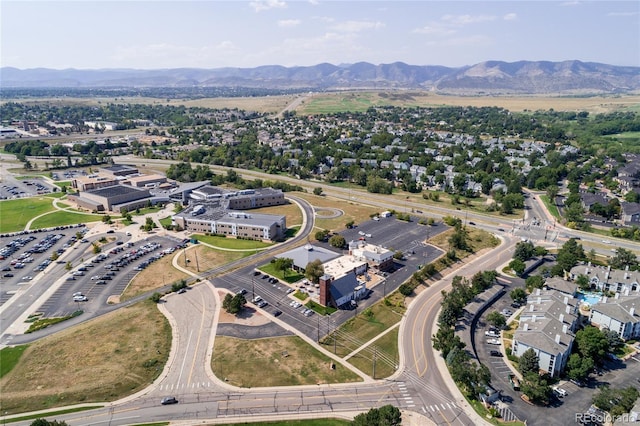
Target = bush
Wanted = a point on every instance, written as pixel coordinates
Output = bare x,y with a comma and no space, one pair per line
405,290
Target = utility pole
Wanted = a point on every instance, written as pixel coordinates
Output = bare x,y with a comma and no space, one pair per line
195,253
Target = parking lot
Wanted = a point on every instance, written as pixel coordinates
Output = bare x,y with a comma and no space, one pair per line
25,255
15,188
562,409
106,274
391,233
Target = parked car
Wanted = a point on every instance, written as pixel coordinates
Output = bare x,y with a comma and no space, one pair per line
559,391
495,353
493,342
277,313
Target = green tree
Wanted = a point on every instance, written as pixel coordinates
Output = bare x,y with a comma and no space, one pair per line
534,281
96,248
155,297
445,340
54,256
68,266
529,362
518,295
106,218
496,319
317,191
592,343
583,282
524,251
44,422
337,241
283,264
578,367
517,266
536,388
314,270
387,415
624,258
322,235
233,304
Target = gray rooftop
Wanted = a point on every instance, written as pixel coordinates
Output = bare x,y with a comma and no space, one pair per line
301,256
620,308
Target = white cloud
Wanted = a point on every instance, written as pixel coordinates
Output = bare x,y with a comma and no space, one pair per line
288,23
622,14
357,26
434,29
510,17
260,5
460,20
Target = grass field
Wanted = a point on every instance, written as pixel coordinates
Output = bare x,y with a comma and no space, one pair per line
231,243
10,357
386,349
289,361
15,214
103,359
156,275
291,276
365,326
553,209
326,103
351,211
203,258
61,218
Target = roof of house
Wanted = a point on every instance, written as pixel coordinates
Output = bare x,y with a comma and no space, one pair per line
563,286
542,334
606,274
301,256
112,191
622,308
343,286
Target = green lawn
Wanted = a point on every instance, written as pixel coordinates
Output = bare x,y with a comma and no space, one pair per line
14,214
291,277
61,218
10,357
550,206
386,351
230,243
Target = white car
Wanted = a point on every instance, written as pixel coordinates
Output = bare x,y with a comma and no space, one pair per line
78,293
560,392
493,342
80,298
257,299
27,278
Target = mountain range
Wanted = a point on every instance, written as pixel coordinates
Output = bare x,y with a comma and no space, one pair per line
490,77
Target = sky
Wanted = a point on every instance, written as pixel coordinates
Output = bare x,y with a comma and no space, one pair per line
155,34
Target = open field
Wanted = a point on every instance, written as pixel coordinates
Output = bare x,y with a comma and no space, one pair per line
159,273
365,326
322,103
351,211
231,243
202,258
386,346
325,103
478,240
290,211
289,361
61,218
14,214
103,359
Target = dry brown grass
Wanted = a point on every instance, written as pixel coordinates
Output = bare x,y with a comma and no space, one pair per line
362,100
283,361
101,360
290,211
352,211
202,258
156,275
478,240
